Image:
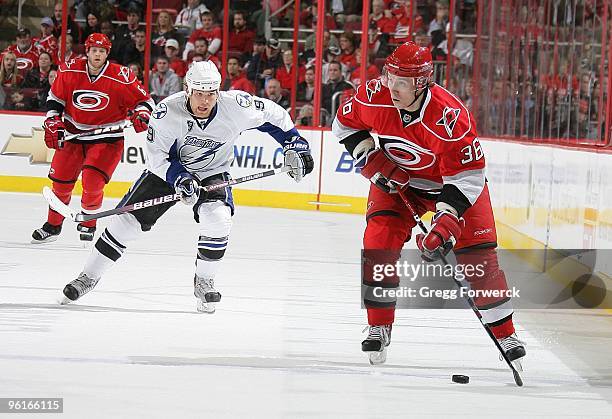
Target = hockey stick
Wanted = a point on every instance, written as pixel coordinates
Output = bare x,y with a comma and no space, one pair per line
106,130
517,378
67,212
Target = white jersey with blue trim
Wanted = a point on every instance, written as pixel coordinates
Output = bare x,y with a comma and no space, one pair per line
177,142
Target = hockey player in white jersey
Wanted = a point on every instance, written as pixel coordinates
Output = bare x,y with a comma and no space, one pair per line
190,143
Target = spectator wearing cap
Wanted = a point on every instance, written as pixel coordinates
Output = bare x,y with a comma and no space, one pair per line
236,77
25,52
165,30
134,53
209,31
72,28
92,25
263,66
335,84
47,42
171,50
189,17
201,48
241,38
283,73
164,81
274,92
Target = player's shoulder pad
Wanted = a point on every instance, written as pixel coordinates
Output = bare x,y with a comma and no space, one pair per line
76,64
445,116
119,73
237,99
373,93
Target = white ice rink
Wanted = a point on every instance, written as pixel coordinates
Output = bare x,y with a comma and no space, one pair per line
284,342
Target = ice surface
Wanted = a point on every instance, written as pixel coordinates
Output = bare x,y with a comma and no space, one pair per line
284,342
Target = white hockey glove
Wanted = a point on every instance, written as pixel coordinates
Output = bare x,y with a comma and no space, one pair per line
298,158
188,187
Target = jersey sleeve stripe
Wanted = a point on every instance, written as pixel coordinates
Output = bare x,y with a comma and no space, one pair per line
469,182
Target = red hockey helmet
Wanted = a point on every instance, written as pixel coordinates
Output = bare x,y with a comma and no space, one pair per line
411,61
98,40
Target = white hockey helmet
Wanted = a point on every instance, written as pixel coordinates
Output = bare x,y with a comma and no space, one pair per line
202,75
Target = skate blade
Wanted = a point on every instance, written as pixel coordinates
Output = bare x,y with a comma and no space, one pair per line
63,300
49,239
377,358
518,364
204,307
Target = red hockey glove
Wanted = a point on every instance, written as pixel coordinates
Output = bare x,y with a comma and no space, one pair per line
54,132
140,120
382,172
445,230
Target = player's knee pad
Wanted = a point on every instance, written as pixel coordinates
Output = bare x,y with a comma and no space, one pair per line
215,226
93,188
385,230
122,230
63,190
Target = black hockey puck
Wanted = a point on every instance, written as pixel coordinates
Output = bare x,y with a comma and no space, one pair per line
461,379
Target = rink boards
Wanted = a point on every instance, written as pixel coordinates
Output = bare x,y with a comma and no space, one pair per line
542,195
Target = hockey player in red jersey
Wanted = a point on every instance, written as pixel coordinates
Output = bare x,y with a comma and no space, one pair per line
428,147
89,93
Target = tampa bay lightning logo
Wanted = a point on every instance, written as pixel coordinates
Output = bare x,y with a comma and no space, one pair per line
244,99
160,111
198,153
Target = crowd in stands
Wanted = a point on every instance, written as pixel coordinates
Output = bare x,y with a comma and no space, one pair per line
260,65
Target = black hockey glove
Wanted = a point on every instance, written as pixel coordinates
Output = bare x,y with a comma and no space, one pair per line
298,158
188,187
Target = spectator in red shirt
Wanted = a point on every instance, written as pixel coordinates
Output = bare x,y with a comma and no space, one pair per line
241,38
283,73
70,54
24,50
382,17
405,25
236,79
201,48
172,51
208,31
347,46
47,42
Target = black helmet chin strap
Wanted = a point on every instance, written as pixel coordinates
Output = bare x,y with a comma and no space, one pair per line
417,96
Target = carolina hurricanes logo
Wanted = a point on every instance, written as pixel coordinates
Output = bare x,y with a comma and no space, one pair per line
24,64
449,119
406,154
90,100
372,87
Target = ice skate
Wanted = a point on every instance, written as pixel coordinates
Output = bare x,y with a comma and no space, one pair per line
79,287
379,337
514,349
86,233
204,290
46,234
